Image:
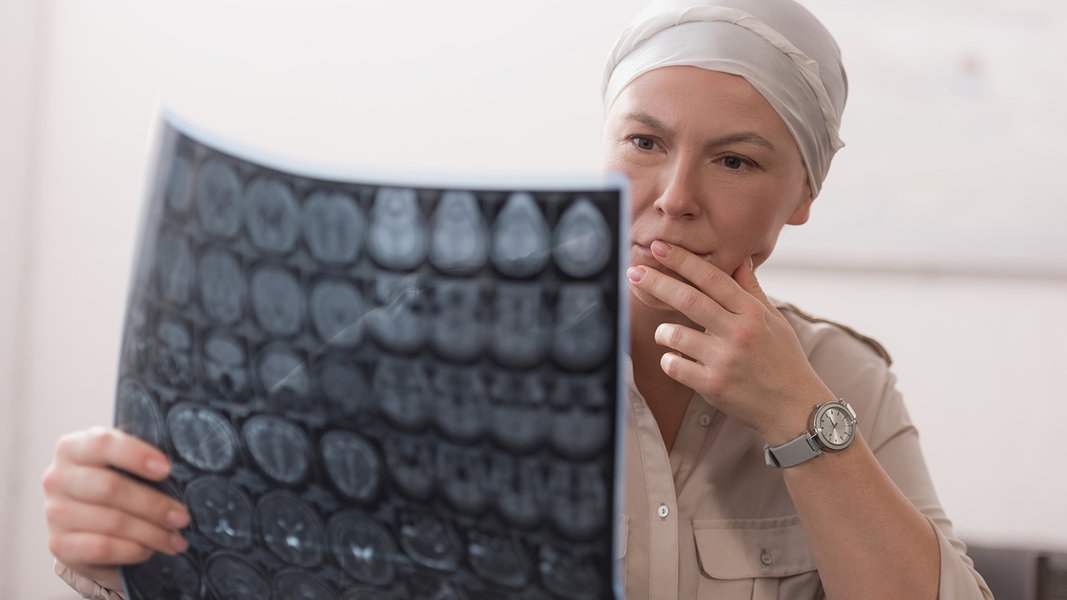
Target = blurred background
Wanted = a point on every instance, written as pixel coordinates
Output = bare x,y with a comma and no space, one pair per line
942,229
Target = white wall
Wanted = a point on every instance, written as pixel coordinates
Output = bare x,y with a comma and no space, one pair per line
979,360
464,85
20,26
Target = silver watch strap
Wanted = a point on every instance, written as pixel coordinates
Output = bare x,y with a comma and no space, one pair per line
792,453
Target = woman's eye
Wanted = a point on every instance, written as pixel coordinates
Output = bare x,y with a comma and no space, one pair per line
643,143
733,163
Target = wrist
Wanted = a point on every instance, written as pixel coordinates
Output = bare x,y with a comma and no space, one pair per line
795,419
833,428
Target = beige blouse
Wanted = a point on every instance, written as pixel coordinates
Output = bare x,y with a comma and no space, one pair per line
711,520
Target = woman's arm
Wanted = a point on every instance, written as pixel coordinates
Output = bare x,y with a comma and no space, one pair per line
741,354
868,540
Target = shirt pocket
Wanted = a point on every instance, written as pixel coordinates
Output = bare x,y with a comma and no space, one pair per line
762,559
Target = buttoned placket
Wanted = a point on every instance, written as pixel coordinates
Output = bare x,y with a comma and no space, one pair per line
662,503
696,424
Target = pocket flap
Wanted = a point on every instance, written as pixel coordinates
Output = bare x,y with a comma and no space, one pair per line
752,548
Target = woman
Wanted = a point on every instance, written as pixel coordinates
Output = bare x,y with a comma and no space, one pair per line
724,116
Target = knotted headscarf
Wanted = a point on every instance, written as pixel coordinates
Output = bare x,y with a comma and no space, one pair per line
779,47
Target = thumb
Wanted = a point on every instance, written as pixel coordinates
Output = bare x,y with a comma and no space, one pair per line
745,276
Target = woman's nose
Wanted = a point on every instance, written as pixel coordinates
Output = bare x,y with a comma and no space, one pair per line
680,192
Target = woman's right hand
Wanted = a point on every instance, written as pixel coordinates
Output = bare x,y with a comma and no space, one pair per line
99,518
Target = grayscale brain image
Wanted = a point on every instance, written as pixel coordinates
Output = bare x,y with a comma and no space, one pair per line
372,391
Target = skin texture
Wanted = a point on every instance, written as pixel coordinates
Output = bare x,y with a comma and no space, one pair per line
715,177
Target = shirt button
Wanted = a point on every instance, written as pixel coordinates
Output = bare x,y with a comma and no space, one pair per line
705,420
663,511
766,558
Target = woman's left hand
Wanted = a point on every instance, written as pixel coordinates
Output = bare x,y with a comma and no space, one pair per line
740,354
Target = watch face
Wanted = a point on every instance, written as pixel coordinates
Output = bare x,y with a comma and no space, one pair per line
835,425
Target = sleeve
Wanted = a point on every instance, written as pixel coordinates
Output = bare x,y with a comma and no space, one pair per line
85,586
858,367
895,443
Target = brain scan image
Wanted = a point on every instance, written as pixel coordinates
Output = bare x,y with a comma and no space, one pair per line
412,465
459,331
583,240
521,238
218,192
221,285
277,300
278,447
521,329
398,319
337,312
584,329
343,387
397,230
292,529
270,214
363,548
283,377
173,356
353,464
519,419
333,227
221,512
459,236
203,437
224,364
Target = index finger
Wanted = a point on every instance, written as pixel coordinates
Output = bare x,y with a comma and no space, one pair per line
110,447
704,276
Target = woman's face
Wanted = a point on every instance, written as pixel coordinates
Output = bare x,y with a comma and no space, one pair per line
712,166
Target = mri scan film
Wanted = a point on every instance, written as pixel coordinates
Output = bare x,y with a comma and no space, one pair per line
372,389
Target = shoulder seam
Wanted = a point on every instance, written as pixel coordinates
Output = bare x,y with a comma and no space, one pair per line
869,341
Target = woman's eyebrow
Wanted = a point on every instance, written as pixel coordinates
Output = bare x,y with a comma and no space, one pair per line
740,137
648,121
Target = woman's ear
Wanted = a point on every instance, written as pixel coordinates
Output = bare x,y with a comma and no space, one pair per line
803,210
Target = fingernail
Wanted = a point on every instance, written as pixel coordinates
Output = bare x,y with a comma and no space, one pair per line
157,468
178,543
660,249
177,518
635,274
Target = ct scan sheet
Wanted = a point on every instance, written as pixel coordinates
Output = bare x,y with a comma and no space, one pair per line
376,389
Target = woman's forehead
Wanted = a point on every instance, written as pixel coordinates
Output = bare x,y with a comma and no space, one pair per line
694,95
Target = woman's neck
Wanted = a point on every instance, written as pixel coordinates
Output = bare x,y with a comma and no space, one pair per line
667,399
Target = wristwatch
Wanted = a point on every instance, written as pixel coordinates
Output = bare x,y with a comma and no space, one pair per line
833,428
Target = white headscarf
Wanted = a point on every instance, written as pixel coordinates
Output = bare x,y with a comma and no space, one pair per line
776,45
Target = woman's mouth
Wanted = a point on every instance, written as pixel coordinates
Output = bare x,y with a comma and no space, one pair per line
644,253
